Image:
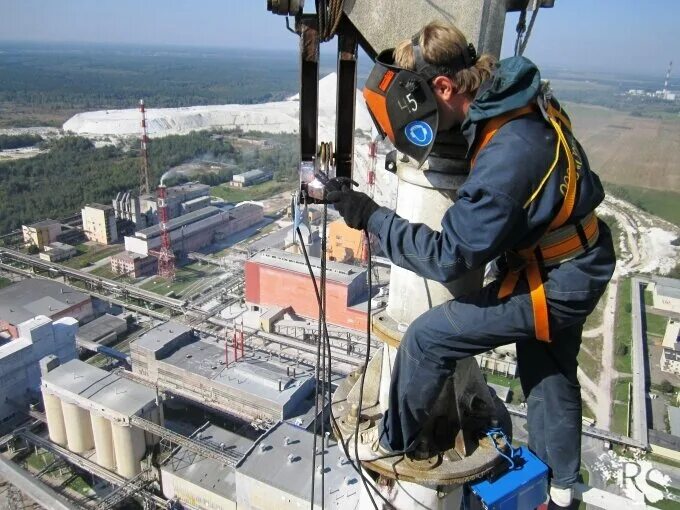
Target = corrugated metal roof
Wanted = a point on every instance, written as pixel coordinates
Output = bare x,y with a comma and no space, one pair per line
335,271
180,221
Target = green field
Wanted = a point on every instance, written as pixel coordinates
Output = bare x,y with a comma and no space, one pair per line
89,254
513,384
590,357
656,324
621,389
256,192
185,277
622,339
4,282
663,204
619,423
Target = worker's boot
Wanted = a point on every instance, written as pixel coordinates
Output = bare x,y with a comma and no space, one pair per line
560,498
369,447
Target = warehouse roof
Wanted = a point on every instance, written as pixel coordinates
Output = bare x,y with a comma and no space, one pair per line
670,337
158,337
188,187
128,256
100,327
36,296
210,474
279,457
335,271
179,222
252,174
105,389
668,287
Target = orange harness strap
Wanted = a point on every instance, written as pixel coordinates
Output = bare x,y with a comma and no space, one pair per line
562,247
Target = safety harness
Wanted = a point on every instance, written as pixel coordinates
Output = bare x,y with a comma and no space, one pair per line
561,241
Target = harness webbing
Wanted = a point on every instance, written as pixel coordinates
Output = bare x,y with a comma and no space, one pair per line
560,242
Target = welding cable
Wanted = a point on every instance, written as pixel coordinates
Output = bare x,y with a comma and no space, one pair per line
368,484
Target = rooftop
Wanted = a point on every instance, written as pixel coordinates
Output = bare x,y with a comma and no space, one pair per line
208,473
336,271
101,207
44,223
669,287
671,334
187,187
100,327
25,299
106,389
128,256
157,338
252,174
180,221
285,451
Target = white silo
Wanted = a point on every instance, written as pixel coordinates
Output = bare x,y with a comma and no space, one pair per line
78,427
55,418
129,446
103,441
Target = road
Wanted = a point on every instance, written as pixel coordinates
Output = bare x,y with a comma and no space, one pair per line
639,411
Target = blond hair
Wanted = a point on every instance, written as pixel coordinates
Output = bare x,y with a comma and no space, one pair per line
441,44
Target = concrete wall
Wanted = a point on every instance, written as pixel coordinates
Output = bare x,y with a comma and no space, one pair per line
99,224
192,494
103,441
55,418
252,494
41,236
129,446
79,435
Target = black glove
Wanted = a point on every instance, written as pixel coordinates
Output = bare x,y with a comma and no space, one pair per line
354,206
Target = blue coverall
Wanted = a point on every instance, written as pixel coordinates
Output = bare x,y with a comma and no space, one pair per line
489,218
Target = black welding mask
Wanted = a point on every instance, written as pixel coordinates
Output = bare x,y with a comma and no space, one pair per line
401,102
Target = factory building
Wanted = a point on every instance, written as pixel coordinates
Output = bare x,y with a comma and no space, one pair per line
204,482
666,294
29,298
103,330
126,206
176,198
345,244
197,229
251,178
42,233
276,278
99,223
275,473
670,352
89,408
56,252
133,264
19,359
204,370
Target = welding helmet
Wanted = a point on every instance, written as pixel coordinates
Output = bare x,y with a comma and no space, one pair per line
402,103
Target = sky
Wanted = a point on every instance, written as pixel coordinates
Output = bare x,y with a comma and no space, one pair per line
607,35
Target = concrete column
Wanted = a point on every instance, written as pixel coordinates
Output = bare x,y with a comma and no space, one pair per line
78,428
129,446
103,441
55,418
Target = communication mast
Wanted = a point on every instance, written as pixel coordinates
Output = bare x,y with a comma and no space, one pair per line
144,179
166,258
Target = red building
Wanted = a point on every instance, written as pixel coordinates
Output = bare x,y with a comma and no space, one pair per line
279,278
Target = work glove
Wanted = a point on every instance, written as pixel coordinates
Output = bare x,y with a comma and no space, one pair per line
354,206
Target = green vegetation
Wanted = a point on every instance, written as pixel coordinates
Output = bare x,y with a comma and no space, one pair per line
621,390
663,204
256,192
517,396
648,297
656,324
185,277
619,423
4,282
88,254
590,357
46,84
623,333
18,141
40,460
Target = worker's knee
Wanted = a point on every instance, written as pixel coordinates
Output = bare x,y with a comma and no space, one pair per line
422,342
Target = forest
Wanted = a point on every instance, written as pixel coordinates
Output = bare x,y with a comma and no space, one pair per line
18,141
73,172
54,82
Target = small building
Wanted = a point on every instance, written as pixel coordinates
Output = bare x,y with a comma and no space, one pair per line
203,482
251,178
99,223
20,359
504,363
276,473
666,294
56,252
42,233
103,330
276,278
134,265
176,196
194,204
670,351
29,298
345,244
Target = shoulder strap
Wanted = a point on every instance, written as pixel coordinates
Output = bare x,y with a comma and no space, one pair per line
494,124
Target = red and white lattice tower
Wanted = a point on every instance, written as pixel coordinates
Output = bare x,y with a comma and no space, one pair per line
166,258
370,189
144,179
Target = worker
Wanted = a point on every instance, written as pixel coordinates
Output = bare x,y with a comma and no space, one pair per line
527,206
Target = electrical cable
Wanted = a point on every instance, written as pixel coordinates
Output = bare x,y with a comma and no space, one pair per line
367,483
